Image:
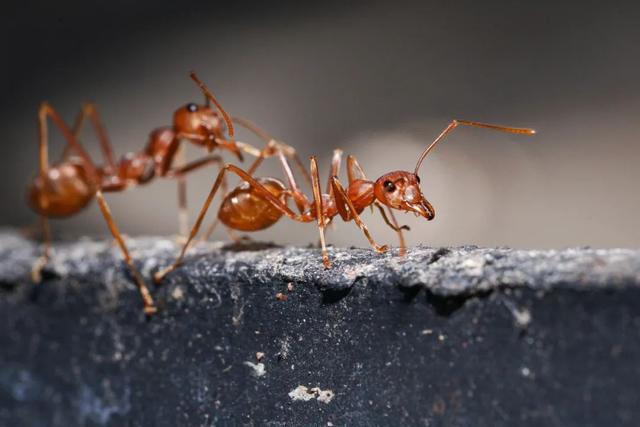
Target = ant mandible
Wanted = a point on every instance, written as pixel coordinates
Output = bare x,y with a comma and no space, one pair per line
258,203
65,188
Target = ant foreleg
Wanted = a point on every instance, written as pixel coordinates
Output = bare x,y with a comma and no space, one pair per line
343,203
393,224
355,172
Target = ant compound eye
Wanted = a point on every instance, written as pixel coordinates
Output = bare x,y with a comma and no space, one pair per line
389,186
191,107
418,179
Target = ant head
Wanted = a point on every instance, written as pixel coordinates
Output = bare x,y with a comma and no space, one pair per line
401,190
198,120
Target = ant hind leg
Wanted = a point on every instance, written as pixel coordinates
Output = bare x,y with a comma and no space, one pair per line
259,190
47,111
149,306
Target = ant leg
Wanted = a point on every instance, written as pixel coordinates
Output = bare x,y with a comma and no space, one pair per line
299,198
44,112
393,224
301,201
149,306
91,111
197,164
192,166
317,201
183,213
194,230
354,171
260,191
269,148
224,186
231,233
335,169
343,202
36,269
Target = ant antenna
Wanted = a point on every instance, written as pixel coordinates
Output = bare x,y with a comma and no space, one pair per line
454,124
210,96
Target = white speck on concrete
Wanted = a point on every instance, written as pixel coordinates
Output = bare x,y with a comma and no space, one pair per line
177,293
301,393
259,369
522,316
324,396
306,394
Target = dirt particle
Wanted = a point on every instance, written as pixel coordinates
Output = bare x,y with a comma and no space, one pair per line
259,356
281,297
439,407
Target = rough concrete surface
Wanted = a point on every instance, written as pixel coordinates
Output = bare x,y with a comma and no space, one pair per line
264,335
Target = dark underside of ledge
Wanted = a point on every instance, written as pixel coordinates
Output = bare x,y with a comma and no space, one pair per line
444,336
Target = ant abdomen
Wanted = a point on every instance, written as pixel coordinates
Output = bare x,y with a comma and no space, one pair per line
243,210
63,190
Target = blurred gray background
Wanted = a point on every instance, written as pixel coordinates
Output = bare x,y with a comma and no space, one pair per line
378,79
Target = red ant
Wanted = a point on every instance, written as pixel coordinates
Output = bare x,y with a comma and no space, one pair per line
68,186
259,203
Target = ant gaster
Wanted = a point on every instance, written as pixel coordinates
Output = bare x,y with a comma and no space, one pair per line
67,187
260,202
